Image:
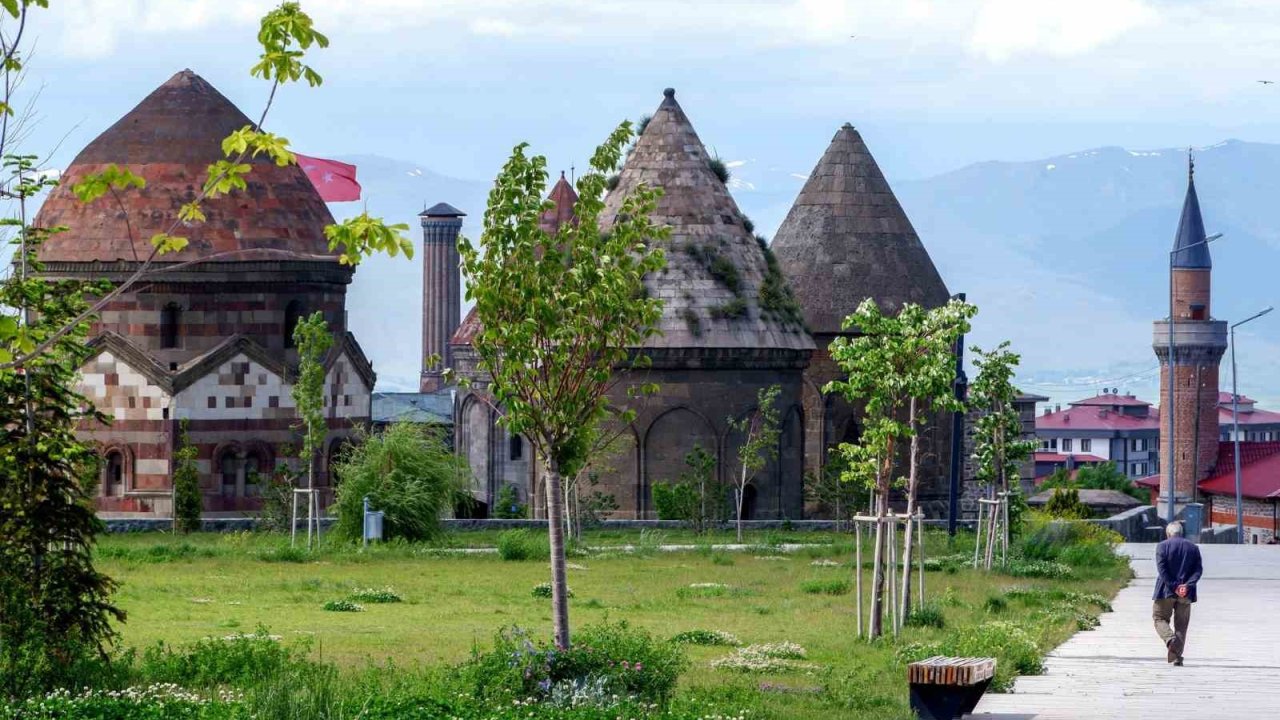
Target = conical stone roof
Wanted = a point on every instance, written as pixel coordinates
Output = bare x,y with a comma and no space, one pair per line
846,239
711,287
170,139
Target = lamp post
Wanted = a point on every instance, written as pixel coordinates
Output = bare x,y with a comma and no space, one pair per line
1169,509
957,435
1235,423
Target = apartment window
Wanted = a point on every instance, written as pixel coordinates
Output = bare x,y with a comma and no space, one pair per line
1253,436
1049,444
1086,445
1138,444
1066,445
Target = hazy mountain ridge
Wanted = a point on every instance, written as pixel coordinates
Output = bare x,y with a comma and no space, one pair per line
1066,256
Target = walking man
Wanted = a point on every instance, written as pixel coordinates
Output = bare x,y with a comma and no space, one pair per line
1178,570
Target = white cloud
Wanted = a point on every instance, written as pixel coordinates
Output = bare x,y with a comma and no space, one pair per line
494,26
1006,28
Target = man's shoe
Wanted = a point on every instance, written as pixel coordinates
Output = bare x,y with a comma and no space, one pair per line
1172,653
1178,662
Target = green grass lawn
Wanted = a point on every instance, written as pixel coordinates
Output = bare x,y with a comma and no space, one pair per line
183,589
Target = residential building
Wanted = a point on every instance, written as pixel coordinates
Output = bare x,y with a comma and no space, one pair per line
1109,427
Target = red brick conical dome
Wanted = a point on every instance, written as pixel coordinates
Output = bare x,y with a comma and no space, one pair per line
170,139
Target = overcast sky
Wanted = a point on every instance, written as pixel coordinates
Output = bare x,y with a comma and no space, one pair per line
934,84
452,85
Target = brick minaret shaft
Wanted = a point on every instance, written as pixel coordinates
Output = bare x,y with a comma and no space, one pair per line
441,290
1198,345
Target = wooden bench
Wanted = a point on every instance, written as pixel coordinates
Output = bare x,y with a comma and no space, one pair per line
945,688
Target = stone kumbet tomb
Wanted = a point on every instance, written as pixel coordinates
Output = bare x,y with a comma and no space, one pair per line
209,343
847,239
731,325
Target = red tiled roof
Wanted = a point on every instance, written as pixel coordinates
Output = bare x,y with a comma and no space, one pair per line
467,330
1249,417
1089,417
1151,481
563,199
1224,398
1260,470
1059,457
1111,399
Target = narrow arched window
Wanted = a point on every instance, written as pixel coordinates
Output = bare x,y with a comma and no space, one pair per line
113,480
229,470
517,447
170,324
292,314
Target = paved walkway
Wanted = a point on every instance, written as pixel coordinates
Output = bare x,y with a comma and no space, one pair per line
1119,671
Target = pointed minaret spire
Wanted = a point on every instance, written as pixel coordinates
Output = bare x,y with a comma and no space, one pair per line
1190,248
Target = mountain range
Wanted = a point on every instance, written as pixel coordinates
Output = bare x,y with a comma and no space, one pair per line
1066,257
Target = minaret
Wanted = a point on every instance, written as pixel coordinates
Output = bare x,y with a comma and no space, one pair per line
1198,343
441,289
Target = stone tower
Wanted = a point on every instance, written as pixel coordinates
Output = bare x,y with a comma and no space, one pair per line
441,289
847,239
1198,343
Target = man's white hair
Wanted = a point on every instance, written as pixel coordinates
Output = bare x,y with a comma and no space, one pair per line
1174,529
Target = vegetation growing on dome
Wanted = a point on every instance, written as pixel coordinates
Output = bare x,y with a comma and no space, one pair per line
717,166
775,297
735,309
720,267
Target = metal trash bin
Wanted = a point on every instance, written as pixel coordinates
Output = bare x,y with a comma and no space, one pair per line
372,523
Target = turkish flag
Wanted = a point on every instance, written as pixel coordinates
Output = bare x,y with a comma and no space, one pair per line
335,181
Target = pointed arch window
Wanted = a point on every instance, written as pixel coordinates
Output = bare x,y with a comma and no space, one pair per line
292,314
170,325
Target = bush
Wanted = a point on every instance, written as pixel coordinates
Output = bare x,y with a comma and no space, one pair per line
706,637
926,616
277,498
519,545
949,564
613,657
235,661
507,505
1077,543
155,702
675,501
407,472
188,501
374,596
1013,647
543,590
1065,503
995,604
825,587
1038,569
765,658
343,606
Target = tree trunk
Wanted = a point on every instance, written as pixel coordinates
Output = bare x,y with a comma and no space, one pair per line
876,627
559,583
913,479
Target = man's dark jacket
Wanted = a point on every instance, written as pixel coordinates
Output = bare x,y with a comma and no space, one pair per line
1178,563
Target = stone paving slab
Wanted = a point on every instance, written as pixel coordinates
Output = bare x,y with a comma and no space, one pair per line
1119,671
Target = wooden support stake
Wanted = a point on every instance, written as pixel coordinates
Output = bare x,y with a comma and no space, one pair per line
857,568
